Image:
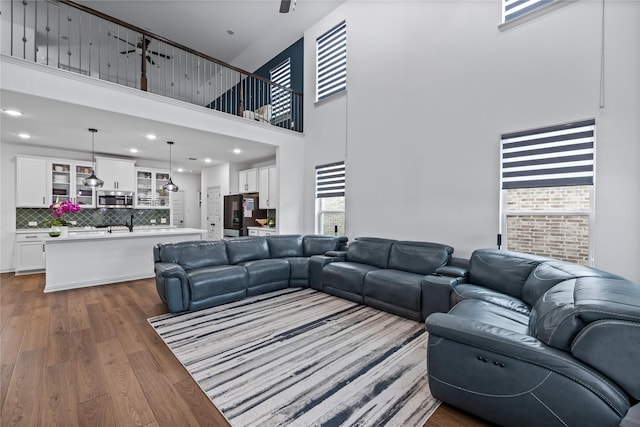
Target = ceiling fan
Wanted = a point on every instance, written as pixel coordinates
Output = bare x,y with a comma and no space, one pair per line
138,48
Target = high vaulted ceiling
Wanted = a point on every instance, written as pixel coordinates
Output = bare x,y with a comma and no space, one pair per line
259,33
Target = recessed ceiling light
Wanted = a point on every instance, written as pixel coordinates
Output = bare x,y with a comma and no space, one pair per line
207,160
14,113
24,135
180,169
237,150
133,150
151,136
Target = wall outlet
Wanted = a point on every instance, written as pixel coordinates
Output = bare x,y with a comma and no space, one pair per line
33,223
163,220
153,221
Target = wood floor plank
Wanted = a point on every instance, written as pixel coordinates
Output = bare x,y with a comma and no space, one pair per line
58,348
78,316
100,323
167,404
11,338
5,377
166,359
20,408
37,331
127,397
201,406
97,412
59,404
89,376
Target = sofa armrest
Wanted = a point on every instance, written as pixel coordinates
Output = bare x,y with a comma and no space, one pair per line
436,292
316,264
501,343
337,255
172,285
452,271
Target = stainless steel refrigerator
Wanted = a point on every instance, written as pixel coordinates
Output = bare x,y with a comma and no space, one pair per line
240,212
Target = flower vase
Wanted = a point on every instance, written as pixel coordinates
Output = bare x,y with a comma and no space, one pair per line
55,231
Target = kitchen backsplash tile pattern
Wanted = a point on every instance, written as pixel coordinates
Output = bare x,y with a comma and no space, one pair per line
87,217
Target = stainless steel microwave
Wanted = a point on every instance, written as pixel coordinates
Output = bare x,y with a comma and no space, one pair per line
115,199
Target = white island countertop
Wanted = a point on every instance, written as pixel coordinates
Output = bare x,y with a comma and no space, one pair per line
97,257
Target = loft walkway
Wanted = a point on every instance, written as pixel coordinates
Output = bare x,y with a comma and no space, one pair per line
73,37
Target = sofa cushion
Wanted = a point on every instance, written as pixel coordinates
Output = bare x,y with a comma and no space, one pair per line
266,275
491,314
564,310
370,250
195,254
396,287
466,291
246,249
289,245
550,273
298,267
418,257
345,279
206,282
502,271
319,245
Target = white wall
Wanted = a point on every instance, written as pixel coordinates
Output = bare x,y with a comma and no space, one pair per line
432,85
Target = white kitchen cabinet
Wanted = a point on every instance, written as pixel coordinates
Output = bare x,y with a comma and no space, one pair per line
117,174
30,254
31,183
268,187
66,182
248,181
149,188
262,231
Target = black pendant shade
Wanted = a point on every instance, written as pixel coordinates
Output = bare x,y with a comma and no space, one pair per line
170,186
92,180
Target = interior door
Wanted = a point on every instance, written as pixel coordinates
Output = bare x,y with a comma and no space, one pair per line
177,209
214,213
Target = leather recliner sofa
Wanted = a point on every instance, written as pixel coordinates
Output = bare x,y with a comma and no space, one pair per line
387,274
199,274
532,341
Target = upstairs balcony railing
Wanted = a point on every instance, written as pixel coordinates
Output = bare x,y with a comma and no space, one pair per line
78,39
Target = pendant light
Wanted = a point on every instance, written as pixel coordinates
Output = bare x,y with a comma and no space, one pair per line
92,180
170,186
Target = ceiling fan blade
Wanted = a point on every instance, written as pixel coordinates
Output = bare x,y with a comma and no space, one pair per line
123,40
124,52
161,55
150,60
285,5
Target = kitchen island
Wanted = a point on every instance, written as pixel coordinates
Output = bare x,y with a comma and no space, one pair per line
88,258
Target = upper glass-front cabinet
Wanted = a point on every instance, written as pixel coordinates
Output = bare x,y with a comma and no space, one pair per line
66,182
149,191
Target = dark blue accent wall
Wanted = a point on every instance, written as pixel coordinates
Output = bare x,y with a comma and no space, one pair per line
254,96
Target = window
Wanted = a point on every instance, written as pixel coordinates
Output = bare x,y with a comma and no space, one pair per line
547,182
522,10
280,97
331,62
330,206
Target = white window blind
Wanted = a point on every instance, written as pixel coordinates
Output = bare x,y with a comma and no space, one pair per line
330,180
331,62
515,8
549,157
280,97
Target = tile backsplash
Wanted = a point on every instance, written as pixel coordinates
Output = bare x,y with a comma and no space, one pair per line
99,216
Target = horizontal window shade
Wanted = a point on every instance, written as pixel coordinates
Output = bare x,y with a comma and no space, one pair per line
549,157
280,97
331,62
330,180
514,8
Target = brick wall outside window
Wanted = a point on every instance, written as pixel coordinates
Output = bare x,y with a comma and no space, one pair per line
536,225
334,215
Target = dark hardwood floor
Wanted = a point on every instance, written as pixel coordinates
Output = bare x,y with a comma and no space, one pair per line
88,357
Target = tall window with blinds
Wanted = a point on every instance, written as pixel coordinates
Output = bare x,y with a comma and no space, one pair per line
280,96
330,199
547,178
331,62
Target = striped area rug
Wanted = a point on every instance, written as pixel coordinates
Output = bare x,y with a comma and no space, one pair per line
304,358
